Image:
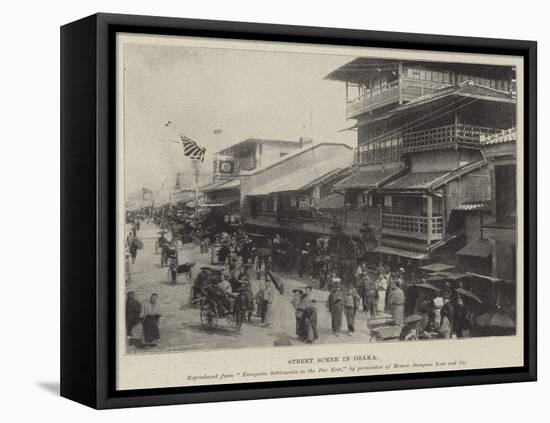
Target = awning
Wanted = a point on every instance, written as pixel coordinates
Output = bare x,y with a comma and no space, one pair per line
221,185
437,267
302,178
403,253
225,203
489,278
480,248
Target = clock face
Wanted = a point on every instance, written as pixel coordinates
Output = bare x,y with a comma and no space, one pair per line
226,167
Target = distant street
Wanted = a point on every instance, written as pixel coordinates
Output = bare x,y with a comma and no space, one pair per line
180,325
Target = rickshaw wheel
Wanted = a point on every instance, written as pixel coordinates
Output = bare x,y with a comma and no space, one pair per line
209,317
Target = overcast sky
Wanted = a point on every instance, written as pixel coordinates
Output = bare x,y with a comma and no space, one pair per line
243,93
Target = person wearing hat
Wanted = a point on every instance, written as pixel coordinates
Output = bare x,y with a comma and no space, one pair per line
335,305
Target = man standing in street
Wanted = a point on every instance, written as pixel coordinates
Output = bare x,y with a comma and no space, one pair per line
309,316
269,295
397,303
133,313
351,304
335,304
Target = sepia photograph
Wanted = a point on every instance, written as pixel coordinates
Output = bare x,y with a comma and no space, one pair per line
290,199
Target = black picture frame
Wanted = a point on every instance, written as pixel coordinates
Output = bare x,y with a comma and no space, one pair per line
88,211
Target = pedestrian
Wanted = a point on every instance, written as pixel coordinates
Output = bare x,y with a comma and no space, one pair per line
370,297
381,287
351,305
269,295
309,317
133,246
133,313
397,303
150,316
460,321
447,317
259,299
240,306
298,311
335,304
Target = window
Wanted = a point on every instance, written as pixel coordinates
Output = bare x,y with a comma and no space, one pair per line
388,201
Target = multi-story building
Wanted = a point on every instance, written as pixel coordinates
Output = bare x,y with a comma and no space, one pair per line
419,158
501,229
223,193
294,196
253,153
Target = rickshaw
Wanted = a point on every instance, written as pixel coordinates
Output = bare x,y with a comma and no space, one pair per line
204,277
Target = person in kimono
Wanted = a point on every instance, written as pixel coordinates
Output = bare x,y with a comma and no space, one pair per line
309,317
447,318
335,304
150,316
381,287
351,304
269,295
296,303
133,313
397,303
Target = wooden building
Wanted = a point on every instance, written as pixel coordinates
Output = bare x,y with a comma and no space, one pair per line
294,196
419,159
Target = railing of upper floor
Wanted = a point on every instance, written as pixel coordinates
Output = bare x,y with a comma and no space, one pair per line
407,90
413,226
391,148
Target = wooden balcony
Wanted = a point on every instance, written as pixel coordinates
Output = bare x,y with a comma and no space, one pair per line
418,227
445,137
372,99
407,90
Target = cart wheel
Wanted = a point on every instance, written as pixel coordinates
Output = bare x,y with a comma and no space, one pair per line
209,317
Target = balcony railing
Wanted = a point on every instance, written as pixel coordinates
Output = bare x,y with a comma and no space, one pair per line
443,137
410,89
372,99
412,226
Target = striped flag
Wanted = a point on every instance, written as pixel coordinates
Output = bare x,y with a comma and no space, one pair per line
191,149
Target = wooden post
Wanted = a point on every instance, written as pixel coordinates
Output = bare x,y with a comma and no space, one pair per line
399,85
429,207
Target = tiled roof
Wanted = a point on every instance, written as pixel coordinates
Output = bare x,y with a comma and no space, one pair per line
416,180
369,178
302,178
479,248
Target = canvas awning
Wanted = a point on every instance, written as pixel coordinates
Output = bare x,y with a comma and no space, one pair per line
403,253
480,248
